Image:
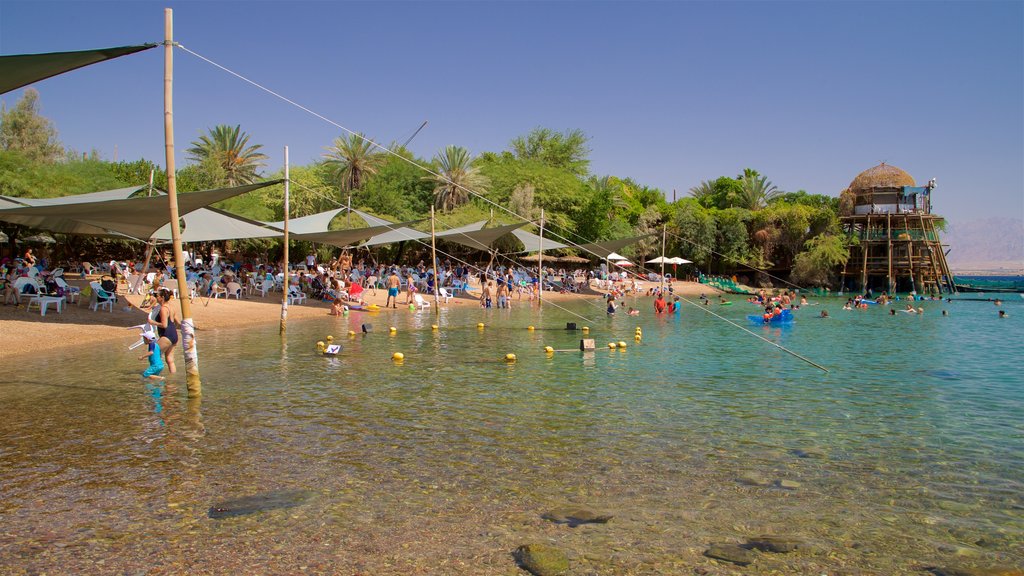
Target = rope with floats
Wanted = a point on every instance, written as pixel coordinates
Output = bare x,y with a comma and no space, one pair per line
475,194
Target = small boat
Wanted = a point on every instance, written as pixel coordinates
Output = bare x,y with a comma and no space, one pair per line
784,317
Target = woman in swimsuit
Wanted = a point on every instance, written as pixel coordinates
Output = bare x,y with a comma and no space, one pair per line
167,323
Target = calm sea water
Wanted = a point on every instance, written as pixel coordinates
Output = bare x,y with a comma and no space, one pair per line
908,453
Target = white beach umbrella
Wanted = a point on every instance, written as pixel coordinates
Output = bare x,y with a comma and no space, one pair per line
661,260
615,256
678,260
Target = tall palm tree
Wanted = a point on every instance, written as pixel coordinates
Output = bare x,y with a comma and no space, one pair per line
756,191
457,176
353,158
229,148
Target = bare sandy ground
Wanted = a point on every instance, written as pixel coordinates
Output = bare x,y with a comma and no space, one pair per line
23,331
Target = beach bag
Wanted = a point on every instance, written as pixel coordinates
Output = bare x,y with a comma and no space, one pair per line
109,285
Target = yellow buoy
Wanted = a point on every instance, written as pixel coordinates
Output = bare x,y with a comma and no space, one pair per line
638,338
549,349
351,332
398,356
622,344
392,329
480,325
320,346
586,329
611,345
530,328
510,357
433,326
330,338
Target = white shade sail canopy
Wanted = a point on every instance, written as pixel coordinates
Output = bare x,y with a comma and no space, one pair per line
481,238
133,217
318,222
211,224
399,234
533,242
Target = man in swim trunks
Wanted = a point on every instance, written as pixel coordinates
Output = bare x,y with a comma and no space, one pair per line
393,283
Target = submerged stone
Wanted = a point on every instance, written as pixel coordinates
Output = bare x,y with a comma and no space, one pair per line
576,516
777,544
753,479
542,559
808,453
258,503
788,484
993,571
731,553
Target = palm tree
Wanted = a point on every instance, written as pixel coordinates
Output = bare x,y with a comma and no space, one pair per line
704,193
756,191
353,158
456,179
228,147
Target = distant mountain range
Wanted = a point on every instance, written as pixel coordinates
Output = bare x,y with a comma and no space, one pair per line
986,245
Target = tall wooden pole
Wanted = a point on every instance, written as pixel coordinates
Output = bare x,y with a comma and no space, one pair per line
540,259
662,286
433,257
149,248
287,280
188,335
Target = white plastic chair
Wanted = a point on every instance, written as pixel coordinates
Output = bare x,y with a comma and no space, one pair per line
445,295
234,289
421,302
70,292
101,298
296,296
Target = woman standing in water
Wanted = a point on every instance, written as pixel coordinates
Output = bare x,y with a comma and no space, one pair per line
167,322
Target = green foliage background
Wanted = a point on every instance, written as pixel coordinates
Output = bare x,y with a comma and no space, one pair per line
727,224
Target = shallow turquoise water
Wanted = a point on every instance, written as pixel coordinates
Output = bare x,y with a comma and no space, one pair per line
909,452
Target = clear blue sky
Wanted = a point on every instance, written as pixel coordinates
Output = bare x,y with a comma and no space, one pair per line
670,93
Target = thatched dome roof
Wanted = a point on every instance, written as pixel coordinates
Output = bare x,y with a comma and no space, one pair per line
881,176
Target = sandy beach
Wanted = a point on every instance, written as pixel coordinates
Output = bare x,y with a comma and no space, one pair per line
26,332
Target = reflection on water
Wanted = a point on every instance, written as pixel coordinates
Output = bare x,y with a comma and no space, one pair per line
908,453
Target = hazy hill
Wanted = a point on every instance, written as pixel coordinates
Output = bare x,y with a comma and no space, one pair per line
988,244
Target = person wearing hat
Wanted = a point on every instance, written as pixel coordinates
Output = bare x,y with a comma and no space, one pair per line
156,361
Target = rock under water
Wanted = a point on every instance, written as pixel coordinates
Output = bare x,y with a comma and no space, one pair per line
272,500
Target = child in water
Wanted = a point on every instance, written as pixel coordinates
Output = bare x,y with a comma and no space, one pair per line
155,355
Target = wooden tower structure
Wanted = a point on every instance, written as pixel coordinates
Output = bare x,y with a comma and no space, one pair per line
894,237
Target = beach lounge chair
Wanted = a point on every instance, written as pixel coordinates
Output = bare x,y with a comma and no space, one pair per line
27,288
420,301
101,298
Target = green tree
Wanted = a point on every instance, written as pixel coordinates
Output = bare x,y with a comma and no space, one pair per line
567,150
23,129
694,226
816,266
755,191
456,177
732,239
721,193
228,147
353,159
397,190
